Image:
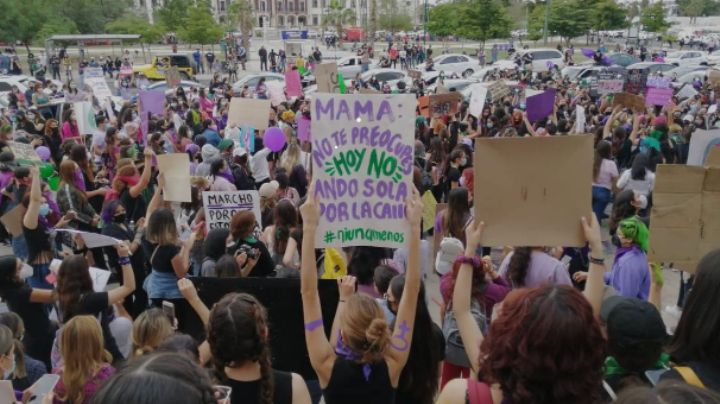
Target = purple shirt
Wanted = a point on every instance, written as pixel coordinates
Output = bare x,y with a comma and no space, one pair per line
542,270
630,274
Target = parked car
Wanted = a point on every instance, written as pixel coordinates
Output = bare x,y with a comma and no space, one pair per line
389,76
453,63
690,77
156,69
185,84
452,84
251,80
350,66
683,70
541,56
590,74
714,57
686,57
652,67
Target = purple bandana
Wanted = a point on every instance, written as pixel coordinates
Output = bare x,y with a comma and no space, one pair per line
347,353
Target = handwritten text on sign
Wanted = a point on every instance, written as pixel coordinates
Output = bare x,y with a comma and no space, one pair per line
363,161
220,206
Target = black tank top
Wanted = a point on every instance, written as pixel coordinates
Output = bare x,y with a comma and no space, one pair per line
249,392
349,386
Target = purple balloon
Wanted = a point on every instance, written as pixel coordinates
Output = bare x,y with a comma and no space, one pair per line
587,52
274,139
43,152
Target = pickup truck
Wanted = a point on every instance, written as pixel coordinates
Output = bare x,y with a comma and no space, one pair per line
350,66
156,69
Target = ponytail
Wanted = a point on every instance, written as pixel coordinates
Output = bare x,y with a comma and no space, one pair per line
518,266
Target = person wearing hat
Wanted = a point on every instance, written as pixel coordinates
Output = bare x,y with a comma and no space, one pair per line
226,147
210,132
208,153
636,335
268,199
244,180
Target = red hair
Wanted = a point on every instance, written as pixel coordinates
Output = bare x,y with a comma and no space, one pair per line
469,178
546,346
478,282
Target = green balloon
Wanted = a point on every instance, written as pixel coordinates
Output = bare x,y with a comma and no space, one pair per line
47,170
54,182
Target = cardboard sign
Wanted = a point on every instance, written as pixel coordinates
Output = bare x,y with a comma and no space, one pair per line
424,106
444,104
220,206
415,74
362,158
172,77
713,158
658,82
701,142
326,78
292,83
685,217
499,90
12,220
23,151
175,167
610,86
541,105
714,77
429,210
478,95
658,96
276,91
686,92
303,129
542,193
85,116
368,90
636,81
634,102
249,112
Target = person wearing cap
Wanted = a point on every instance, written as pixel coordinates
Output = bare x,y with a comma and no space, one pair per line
268,199
208,153
259,163
226,147
210,132
244,180
636,335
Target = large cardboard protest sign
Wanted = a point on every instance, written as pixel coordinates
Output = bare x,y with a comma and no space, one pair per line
541,194
12,220
701,142
363,163
658,96
478,94
175,168
444,104
499,90
326,77
220,206
627,100
685,216
249,112
541,105
24,151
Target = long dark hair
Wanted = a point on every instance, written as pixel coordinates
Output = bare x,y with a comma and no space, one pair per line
73,282
602,152
697,333
622,208
286,220
518,266
639,167
9,279
419,377
456,215
364,261
237,334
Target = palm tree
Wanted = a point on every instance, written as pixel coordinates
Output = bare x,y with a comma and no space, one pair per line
338,16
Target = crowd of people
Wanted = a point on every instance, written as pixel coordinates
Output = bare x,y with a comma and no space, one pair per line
520,324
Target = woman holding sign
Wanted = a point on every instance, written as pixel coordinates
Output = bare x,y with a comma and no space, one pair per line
363,360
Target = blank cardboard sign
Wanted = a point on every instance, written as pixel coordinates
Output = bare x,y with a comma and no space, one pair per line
685,217
249,112
533,191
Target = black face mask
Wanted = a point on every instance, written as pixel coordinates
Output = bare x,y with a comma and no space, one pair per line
119,218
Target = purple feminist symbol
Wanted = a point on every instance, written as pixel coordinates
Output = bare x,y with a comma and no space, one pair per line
404,343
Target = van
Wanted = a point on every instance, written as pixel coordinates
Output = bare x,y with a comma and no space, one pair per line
542,56
156,69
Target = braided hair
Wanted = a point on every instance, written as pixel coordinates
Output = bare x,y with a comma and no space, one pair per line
237,333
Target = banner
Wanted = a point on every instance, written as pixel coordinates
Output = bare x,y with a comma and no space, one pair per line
658,96
444,104
636,81
23,151
85,116
610,86
220,206
363,163
541,105
478,94
95,78
149,102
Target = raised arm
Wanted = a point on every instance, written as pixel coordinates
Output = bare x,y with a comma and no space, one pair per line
469,330
399,349
607,130
187,289
635,130
322,356
181,261
595,285
136,189
528,125
128,286
30,220
157,198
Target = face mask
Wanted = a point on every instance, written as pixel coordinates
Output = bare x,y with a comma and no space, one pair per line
119,218
463,161
489,125
10,371
134,116
44,209
26,271
30,117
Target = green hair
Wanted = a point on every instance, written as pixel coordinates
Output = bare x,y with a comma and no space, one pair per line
634,229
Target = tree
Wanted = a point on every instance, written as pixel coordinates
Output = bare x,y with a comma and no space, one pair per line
240,12
697,8
566,18
199,27
90,16
338,16
442,19
392,18
56,26
483,19
136,25
172,14
653,18
609,15
21,20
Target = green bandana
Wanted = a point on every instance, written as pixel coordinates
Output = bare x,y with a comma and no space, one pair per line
612,367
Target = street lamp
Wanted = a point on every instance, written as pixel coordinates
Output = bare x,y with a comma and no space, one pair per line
545,25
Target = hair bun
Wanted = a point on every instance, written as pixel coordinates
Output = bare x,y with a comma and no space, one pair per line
378,333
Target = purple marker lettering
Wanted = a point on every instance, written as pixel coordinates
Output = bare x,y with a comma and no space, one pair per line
404,343
313,325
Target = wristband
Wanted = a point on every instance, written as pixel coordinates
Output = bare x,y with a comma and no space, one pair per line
124,260
596,261
472,261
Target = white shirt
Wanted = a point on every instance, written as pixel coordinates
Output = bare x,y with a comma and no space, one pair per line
259,165
642,187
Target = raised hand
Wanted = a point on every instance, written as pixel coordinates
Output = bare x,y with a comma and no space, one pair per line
310,210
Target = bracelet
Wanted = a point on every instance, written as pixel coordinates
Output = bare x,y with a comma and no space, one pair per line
596,261
472,261
124,260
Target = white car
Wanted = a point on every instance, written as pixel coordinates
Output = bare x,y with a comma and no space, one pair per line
185,84
389,76
541,57
689,57
714,57
456,63
251,80
350,66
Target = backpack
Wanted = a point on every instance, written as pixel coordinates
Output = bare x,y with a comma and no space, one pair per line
426,181
454,348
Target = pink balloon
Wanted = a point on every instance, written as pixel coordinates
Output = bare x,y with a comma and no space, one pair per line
274,139
43,152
